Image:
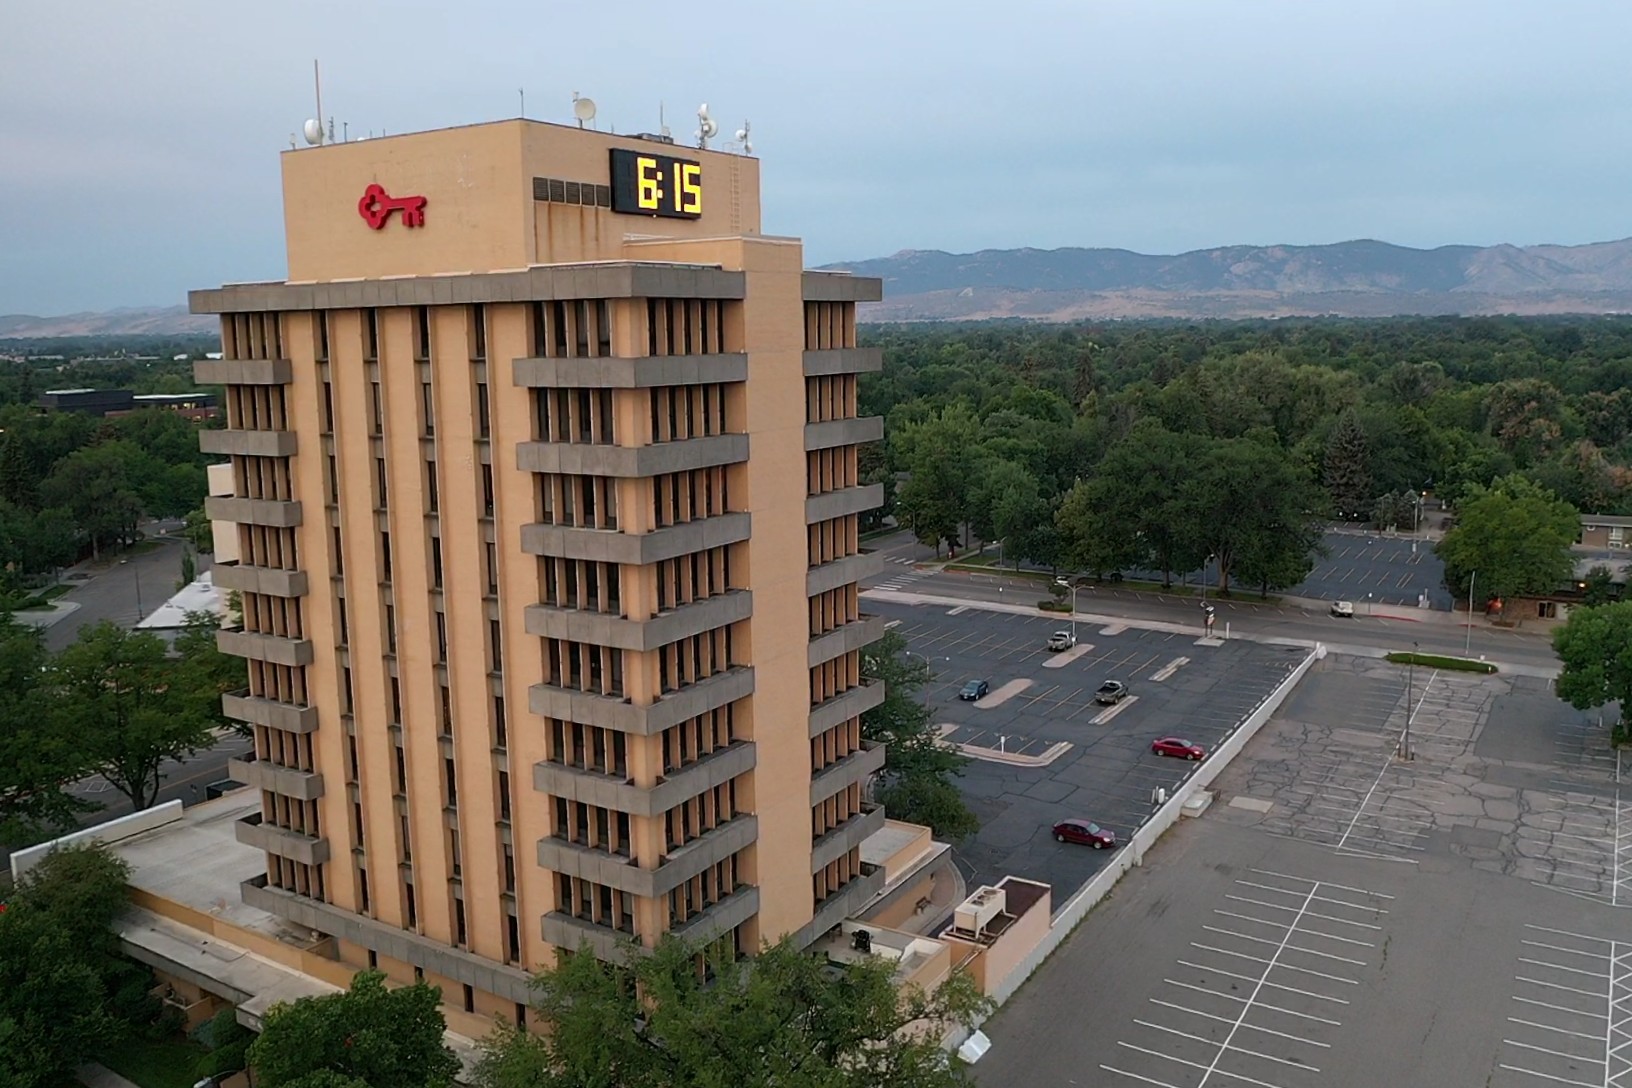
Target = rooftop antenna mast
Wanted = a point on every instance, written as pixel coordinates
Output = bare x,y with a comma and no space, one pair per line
312,130
707,127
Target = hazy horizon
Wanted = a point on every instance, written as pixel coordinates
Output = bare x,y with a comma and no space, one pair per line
138,146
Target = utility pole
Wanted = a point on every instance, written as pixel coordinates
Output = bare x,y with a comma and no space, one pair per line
1467,643
1410,700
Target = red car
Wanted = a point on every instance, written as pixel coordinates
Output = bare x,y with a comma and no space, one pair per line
1086,832
1178,747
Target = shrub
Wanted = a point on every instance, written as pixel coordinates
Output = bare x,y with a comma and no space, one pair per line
1436,661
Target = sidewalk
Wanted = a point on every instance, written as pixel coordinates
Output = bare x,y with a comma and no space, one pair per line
93,1075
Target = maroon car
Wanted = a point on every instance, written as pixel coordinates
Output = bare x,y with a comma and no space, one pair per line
1086,832
1178,747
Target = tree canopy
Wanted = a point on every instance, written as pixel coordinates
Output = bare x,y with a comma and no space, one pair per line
678,1017
366,1037
1512,538
1594,646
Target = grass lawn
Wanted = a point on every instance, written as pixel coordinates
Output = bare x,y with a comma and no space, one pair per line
166,1064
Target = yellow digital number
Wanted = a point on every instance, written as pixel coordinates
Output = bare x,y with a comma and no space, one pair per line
647,175
691,188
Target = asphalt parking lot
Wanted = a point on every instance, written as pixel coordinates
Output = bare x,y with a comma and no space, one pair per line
1393,570
1041,701
1340,916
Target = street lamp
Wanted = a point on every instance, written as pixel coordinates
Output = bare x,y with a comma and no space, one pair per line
1073,588
1204,565
136,570
928,667
1467,643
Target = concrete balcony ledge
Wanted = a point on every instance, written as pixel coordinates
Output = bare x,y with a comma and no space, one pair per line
840,287
633,373
249,443
594,788
847,705
847,836
283,781
841,640
846,500
271,581
864,762
622,873
510,983
847,902
599,459
280,841
562,930
636,549
257,647
721,918
605,629
244,707
243,371
843,432
611,712
275,513
842,572
829,361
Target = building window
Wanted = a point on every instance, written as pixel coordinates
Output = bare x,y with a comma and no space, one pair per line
484,420
515,954
385,555
390,630
422,334
1547,610
459,937
509,868
1617,536
402,770
431,497
470,992
478,331
413,923
495,647
504,796
371,336
377,414
452,780
492,567
487,490
441,637
396,701
501,728
436,562
362,891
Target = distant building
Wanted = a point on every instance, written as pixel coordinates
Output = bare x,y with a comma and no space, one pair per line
1605,531
118,402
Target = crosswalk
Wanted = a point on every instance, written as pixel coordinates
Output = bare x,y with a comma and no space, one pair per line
903,576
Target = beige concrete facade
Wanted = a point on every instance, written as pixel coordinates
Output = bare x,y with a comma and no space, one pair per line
545,646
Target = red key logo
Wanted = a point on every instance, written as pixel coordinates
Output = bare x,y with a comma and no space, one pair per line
376,207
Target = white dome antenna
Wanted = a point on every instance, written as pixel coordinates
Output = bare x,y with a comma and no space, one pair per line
313,131
742,138
583,109
707,127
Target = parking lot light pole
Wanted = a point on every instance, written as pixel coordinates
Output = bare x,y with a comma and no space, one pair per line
1204,565
928,666
1073,588
1467,643
137,571
1410,698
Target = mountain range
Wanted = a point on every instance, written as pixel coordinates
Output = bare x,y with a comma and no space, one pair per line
1348,279
1356,279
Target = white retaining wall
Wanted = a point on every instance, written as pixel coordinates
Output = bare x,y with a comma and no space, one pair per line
114,830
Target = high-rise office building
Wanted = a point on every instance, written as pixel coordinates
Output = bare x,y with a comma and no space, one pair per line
546,501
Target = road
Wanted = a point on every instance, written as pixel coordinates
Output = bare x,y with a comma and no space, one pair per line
1430,631
114,590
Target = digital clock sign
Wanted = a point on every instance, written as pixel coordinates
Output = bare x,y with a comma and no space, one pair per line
645,184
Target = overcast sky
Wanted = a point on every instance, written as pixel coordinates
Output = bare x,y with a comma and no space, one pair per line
139,141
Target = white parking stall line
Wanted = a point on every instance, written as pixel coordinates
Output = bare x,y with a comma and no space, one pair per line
1261,1004
1550,1027
1272,985
1293,947
1312,914
1575,1015
1274,963
1227,1020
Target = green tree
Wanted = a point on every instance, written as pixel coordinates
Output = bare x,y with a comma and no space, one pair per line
369,1035
943,456
207,673
1594,647
1516,535
197,531
782,1018
1347,468
132,709
38,754
1599,586
1247,501
60,972
95,486
917,779
873,468
19,478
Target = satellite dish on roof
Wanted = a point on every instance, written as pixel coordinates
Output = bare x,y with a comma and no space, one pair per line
583,109
313,131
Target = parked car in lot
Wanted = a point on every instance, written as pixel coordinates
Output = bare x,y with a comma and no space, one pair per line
1061,640
974,689
1111,692
1085,832
1177,747
1342,608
